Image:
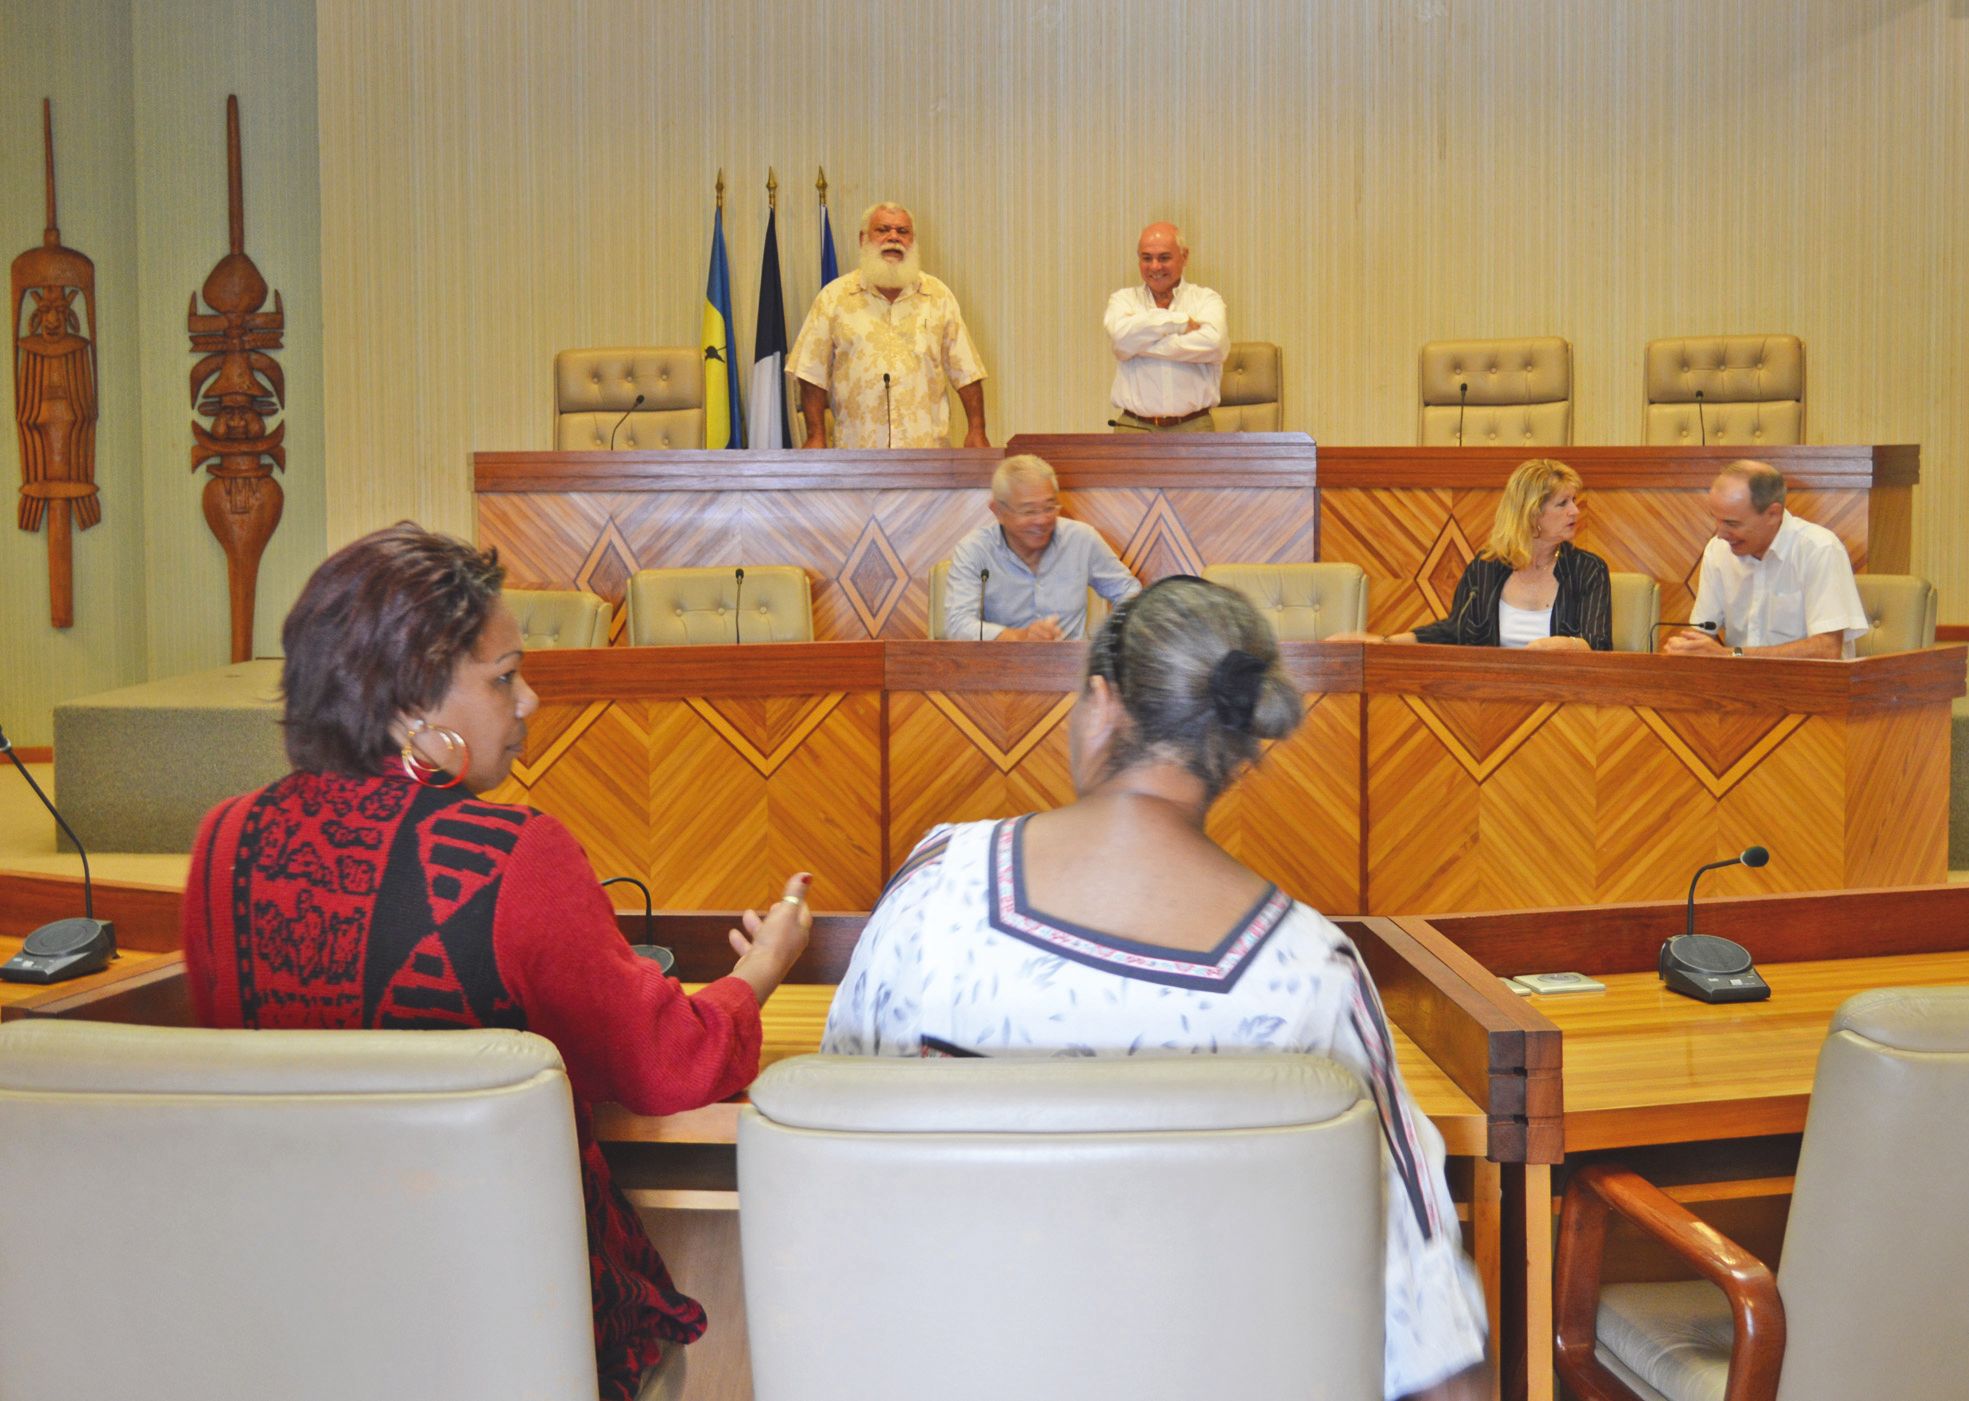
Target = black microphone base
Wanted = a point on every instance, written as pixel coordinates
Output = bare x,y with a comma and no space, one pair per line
68,948
1718,987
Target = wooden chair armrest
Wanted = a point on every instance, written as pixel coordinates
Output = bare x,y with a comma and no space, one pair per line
1594,1193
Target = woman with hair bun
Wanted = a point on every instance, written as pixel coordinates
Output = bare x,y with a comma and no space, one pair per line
1115,926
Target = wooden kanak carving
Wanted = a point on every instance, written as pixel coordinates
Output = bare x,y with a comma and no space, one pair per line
236,385
55,392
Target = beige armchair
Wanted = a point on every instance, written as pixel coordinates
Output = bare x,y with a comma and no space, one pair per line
1751,388
1047,1229
1902,609
1302,602
1636,609
1866,1302
696,607
1097,607
311,1215
1253,390
593,389
551,618
1519,393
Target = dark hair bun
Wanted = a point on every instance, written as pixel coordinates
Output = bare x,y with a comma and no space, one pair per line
1234,686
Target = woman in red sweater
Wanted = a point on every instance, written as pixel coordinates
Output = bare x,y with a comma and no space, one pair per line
372,888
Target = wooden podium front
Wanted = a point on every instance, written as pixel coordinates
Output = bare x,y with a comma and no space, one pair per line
1440,779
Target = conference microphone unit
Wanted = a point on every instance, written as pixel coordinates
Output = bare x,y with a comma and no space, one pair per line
1704,626
1701,427
738,602
663,958
1705,966
888,415
1131,427
624,419
984,577
1462,402
66,948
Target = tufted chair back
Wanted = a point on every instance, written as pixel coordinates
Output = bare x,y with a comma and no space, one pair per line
1253,390
1902,609
1050,1228
594,388
695,607
1636,602
1520,393
1302,602
552,618
1752,387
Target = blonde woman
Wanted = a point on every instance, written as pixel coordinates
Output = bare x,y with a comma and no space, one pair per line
1530,586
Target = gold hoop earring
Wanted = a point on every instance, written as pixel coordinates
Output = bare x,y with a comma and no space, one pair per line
421,770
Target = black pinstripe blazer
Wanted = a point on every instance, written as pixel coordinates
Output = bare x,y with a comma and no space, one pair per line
1583,607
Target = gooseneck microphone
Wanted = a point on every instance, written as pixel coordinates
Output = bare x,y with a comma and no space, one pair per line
65,948
1462,401
738,600
1131,427
1701,427
1752,856
888,414
984,577
663,958
624,419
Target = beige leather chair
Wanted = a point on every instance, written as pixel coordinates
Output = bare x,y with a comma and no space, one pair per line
594,388
552,618
1752,387
1867,1301
1902,609
1302,602
1097,607
1520,393
695,607
1636,610
313,1215
1061,1229
1253,390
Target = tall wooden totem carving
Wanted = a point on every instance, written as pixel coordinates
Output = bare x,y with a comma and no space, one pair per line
237,385
55,393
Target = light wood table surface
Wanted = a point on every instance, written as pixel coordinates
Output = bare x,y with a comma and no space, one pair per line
126,961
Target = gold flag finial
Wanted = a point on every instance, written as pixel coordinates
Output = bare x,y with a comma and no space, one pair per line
821,185
772,189
721,187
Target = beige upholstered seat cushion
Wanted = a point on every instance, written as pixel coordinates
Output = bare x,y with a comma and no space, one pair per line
1901,608
1520,392
1753,390
1049,1229
1636,609
1302,602
552,618
1252,390
1097,606
302,1214
1669,1341
683,607
593,389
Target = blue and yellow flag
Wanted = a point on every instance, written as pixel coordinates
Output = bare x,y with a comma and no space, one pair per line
724,417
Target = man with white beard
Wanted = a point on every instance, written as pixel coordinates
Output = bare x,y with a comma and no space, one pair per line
879,344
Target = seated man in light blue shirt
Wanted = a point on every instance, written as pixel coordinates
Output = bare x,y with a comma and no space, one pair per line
1031,568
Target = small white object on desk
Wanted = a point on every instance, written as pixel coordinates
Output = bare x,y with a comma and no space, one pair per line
1560,982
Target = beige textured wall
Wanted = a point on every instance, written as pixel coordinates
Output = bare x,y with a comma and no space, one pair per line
139,96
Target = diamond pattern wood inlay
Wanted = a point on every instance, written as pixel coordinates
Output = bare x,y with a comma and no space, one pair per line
873,578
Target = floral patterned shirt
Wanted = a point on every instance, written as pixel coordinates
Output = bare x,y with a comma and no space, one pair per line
854,335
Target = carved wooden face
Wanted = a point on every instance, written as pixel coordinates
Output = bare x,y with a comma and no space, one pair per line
53,313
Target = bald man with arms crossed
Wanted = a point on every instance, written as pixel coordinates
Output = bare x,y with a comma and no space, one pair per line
878,345
1780,586
1170,338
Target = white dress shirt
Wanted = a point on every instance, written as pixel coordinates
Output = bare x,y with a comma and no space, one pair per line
1803,586
1166,371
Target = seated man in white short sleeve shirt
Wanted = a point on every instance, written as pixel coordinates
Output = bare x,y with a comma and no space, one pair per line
1779,586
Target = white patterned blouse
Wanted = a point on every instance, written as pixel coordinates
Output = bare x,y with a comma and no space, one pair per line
956,961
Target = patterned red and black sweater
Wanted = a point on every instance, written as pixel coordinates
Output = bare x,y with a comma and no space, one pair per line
329,901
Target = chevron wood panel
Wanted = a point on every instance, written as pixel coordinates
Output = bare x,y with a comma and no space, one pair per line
1295,818
1424,817
945,767
1897,825
1535,816
1637,778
